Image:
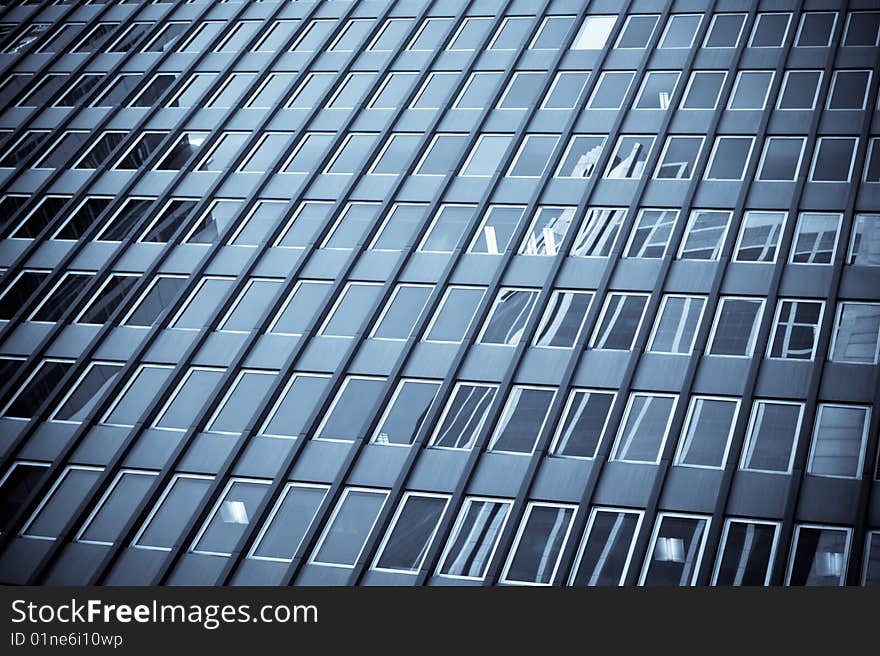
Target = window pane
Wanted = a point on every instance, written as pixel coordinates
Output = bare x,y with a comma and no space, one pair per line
781,158
349,527
295,405
772,435
583,422
455,314
838,441
795,330
539,544
736,327
865,250
857,333
496,229
815,239
759,236
139,393
187,400
651,233
522,419
88,390
290,520
71,489
819,556
165,526
594,33
598,232
606,549
236,410
464,416
474,538
403,311
230,518
509,316
351,409
414,526
581,156
563,319
643,432
746,552
676,550
352,310
620,322
706,435
406,413
676,329
548,229
109,518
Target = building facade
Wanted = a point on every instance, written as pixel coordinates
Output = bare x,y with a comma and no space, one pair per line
423,292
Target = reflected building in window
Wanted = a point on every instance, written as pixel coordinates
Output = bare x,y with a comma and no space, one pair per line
434,293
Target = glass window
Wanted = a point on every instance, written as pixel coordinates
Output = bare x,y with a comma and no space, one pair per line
816,29
746,553
464,416
703,90
311,91
230,517
390,35
566,90
538,545
350,226
552,32
39,218
15,295
29,396
856,333
547,231
610,90
759,237
770,30
53,513
406,412
736,326
594,33
533,156
781,158
105,523
676,550
656,90
619,322
629,158
637,31
241,401
471,33
262,156
66,292
314,34
598,231
351,154
349,526
849,89
729,158
705,438
435,91
351,35
16,486
187,400
164,226
773,432
430,34
651,233
166,523
399,227
871,571
183,150
522,419
352,408
496,229
277,36
563,319
393,91
833,160
862,28
303,226
474,538
681,30
750,90
485,158
678,158
137,395
725,31
447,228
452,319
92,385
509,315
511,34
818,556
676,327
704,237
795,329
205,299
259,224
644,428
872,163
402,312
581,156
288,523
815,239
290,415
522,90
583,423
442,154
865,247
351,310
478,90
799,90
606,550
839,437
308,153
412,530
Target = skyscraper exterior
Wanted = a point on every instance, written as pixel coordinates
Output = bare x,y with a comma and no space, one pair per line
440,292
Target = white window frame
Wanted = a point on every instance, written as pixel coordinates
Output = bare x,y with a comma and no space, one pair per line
46,499
280,399
251,555
679,449
393,524
753,341
511,554
660,311
640,515
723,544
104,497
569,403
866,424
165,493
614,455
823,527
459,520
751,436
330,520
771,340
655,533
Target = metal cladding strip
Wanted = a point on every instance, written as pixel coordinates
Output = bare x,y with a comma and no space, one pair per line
803,439
132,364
399,487
183,365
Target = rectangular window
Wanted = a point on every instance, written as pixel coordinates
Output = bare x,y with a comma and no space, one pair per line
351,154
455,314
735,330
198,310
705,234
629,158
350,225
166,523
650,235
30,395
581,156
547,231
862,28
816,29
871,569
522,419
290,415
485,158
241,401
676,550
746,553
773,433
403,310
656,90
288,523
611,89
563,319
230,517
676,327
496,229
759,237
92,385
839,437
781,159
442,154
750,90
61,502
872,162
538,545
474,538
619,322
815,238
644,428
703,90
351,410
186,402
856,337
819,556
16,485
705,438
411,533
729,158
834,159
849,90
131,405
464,416
105,523
351,310
522,90
566,90
770,30
799,90
349,527
678,158
509,315
533,156
681,30
725,31
598,232
605,553
552,32
864,248
406,412
447,228
795,329
583,423
470,33
399,227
